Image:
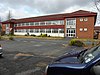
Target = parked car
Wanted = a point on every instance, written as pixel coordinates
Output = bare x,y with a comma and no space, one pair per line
1,52
85,62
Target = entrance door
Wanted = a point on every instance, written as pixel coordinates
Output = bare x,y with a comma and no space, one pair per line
70,32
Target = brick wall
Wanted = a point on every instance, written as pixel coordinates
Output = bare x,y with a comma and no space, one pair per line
81,25
3,27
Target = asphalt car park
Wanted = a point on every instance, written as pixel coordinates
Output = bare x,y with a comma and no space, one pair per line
30,56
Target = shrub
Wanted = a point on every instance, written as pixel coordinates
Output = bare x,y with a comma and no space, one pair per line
26,35
0,37
76,43
11,38
33,35
42,35
49,36
2,33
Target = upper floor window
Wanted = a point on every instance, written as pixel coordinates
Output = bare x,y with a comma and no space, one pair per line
31,23
85,19
48,23
15,25
22,24
81,19
42,23
36,23
27,24
71,21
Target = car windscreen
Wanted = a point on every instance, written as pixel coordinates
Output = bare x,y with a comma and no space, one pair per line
90,54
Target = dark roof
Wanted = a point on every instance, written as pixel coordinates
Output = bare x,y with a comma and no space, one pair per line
9,21
80,13
97,28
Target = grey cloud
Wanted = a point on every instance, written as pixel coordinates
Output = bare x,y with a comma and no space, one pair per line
45,6
55,6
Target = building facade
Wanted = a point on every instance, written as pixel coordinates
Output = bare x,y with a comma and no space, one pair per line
79,24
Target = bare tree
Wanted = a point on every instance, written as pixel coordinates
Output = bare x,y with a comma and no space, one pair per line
9,16
97,4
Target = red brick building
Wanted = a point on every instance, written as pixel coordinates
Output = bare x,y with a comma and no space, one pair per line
78,24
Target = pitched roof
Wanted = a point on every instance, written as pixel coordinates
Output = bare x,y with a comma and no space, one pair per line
79,13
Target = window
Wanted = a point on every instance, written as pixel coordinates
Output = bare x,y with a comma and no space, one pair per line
18,25
48,30
31,23
81,19
36,23
42,30
85,29
15,30
23,30
61,30
22,24
31,30
54,30
48,22
61,22
15,25
85,19
58,22
19,30
42,23
36,30
55,23
27,24
71,21
81,29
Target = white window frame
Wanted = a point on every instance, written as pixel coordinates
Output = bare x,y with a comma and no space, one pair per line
81,19
85,19
81,29
85,29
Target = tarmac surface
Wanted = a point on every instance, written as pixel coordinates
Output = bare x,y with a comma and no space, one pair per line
31,56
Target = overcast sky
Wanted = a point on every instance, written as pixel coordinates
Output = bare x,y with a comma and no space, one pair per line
31,8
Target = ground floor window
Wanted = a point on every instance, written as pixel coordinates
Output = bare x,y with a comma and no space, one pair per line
48,30
39,30
42,30
54,30
61,30
31,30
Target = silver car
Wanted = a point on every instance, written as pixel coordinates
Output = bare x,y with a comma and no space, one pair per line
1,51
